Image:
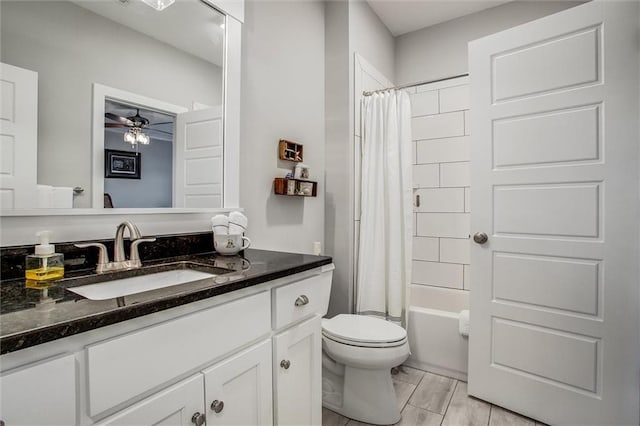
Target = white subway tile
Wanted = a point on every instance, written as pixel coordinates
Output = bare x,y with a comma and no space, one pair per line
438,126
443,84
424,103
453,225
454,98
414,149
443,150
441,200
467,277
455,250
455,174
425,248
437,274
357,177
467,122
426,175
467,200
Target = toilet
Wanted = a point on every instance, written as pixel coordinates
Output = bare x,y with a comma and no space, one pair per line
357,357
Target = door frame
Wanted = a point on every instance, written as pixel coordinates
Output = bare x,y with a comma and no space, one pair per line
102,93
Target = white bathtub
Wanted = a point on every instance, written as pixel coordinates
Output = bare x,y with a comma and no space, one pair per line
436,345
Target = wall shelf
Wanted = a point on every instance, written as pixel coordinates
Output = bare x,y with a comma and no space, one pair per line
295,187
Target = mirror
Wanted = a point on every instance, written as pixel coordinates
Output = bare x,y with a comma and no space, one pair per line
114,57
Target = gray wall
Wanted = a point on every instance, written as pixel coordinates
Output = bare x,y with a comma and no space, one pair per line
155,186
72,48
282,98
441,50
350,27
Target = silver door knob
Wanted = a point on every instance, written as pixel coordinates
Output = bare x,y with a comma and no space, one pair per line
480,237
285,363
302,300
198,419
217,406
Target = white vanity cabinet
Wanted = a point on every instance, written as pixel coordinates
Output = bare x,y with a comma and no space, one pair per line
219,360
298,374
236,391
40,393
177,406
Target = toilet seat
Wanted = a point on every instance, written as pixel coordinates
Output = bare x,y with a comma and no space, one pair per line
363,331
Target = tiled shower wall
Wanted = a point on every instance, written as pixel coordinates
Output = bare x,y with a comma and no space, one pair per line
441,144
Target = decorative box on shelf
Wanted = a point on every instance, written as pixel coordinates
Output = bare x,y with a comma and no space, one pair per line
296,187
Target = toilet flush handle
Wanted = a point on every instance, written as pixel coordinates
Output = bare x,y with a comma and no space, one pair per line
302,300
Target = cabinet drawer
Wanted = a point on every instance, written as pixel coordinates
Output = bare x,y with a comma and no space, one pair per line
40,394
294,302
129,365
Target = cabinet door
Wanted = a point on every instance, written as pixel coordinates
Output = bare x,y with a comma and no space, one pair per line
298,374
175,405
238,389
40,394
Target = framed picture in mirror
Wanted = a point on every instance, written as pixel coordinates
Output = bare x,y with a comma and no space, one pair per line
121,164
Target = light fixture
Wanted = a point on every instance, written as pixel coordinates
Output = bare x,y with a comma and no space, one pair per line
159,5
136,136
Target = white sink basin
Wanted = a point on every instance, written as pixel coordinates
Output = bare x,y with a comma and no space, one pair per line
128,286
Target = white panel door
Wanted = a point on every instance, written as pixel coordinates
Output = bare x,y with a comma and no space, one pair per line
297,367
238,390
177,405
18,137
554,307
198,158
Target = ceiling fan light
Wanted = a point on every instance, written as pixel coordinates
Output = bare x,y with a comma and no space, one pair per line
159,5
130,137
142,138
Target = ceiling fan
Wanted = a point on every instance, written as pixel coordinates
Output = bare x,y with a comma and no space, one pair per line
136,124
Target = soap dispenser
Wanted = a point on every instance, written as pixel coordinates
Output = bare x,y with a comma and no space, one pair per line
45,264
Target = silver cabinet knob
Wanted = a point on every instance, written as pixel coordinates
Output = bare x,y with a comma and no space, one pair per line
217,406
302,300
198,419
285,363
480,237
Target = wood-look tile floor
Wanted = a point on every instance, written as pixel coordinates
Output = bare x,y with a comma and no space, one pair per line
428,399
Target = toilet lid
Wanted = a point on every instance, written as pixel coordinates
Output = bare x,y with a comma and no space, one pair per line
362,329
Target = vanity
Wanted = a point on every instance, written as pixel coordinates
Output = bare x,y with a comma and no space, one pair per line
241,347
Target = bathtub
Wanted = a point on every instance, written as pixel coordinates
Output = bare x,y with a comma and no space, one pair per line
436,345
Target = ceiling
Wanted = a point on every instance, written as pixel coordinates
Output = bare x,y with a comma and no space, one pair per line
187,25
404,16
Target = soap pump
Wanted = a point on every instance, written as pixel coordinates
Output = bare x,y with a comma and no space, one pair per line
45,264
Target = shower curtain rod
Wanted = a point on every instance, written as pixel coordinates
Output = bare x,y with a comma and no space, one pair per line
414,84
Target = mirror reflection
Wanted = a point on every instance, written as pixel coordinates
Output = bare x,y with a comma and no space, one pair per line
93,76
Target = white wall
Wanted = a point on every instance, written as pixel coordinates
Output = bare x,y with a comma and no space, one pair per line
351,28
282,98
441,50
71,48
370,38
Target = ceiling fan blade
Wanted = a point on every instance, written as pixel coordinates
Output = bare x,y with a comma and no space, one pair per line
119,119
164,122
115,125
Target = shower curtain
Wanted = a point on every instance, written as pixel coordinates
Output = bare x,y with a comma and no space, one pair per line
386,219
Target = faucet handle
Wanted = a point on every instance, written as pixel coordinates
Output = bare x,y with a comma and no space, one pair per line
134,256
103,255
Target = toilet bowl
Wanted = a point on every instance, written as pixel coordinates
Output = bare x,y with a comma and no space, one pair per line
358,354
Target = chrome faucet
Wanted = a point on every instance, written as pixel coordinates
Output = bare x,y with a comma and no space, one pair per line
120,262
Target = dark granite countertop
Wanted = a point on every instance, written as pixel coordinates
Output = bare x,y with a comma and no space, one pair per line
32,314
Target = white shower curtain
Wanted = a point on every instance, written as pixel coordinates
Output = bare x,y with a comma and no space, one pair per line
386,219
